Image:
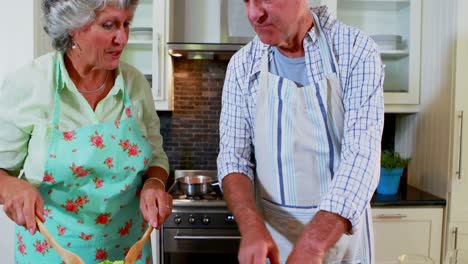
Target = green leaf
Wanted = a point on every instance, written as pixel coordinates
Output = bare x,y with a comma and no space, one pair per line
392,159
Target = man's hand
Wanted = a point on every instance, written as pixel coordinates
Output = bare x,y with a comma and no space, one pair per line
299,257
22,201
257,245
319,236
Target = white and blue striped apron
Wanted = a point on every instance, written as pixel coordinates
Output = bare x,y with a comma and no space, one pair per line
297,149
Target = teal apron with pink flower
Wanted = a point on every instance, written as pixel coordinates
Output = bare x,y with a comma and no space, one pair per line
90,188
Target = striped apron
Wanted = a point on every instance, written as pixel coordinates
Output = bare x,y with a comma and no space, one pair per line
297,154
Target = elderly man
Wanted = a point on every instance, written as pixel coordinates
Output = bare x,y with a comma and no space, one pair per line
300,128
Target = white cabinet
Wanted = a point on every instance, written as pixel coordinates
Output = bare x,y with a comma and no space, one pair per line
440,142
458,243
458,192
396,26
146,49
413,231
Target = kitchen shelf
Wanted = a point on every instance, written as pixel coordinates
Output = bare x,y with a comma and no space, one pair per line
374,4
146,51
394,54
140,42
399,18
379,1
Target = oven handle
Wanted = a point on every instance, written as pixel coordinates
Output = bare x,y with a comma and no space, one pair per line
188,237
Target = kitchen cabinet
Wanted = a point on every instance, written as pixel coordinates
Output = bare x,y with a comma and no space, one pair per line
407,230
458,244
146,49
458,185
396,27
438,134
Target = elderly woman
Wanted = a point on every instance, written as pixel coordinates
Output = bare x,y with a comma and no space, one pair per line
82,127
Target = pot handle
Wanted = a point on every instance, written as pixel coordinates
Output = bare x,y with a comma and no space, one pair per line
172,186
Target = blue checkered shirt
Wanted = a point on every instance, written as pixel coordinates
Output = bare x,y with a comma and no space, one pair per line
361,74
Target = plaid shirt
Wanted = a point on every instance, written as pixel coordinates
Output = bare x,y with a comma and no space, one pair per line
361,74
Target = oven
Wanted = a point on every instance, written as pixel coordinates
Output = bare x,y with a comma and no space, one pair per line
200,229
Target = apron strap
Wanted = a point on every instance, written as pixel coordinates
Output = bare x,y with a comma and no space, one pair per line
127,101
58,85
264,68
328,60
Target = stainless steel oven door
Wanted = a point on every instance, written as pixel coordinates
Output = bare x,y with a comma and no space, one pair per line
199,245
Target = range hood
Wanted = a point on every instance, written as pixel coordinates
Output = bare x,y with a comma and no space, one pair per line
207,29
203,50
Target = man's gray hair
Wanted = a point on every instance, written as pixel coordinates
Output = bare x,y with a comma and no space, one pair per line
61,17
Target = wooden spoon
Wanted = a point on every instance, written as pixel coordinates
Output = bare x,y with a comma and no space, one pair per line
136,248
67,256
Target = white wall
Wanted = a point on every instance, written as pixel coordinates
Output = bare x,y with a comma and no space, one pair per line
7,231
17,31
16,49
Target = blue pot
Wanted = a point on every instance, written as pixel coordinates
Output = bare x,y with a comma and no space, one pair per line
389,181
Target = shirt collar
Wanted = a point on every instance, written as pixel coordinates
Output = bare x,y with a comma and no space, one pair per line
260,47
119,82
67,83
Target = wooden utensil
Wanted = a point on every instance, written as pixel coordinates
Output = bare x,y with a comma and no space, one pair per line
136,248
67,256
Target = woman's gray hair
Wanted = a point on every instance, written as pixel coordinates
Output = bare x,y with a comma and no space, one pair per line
61,17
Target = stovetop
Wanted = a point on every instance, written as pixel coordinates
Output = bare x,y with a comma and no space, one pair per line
206,212
180,199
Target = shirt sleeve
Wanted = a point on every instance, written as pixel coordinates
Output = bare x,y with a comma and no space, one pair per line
152,123
357,176
235,133
15,131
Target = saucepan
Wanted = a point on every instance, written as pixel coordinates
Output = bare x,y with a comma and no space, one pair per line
197,185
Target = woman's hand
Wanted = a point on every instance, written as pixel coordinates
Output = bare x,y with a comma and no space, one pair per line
22,201
155,203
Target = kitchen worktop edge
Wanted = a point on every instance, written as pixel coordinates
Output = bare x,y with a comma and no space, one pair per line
411,196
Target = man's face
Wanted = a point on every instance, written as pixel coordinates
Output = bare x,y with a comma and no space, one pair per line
274,21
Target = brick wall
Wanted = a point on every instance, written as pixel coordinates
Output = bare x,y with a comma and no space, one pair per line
190,131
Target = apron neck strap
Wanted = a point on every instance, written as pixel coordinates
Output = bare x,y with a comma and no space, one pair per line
328,60
127,101
264,68
58,85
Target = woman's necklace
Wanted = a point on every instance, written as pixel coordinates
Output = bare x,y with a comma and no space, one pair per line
97,89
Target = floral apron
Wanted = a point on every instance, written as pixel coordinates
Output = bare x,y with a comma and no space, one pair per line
297,153
90,188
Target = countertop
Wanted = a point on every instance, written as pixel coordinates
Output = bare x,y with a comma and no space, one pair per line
410,197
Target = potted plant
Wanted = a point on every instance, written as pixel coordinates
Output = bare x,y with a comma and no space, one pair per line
392,165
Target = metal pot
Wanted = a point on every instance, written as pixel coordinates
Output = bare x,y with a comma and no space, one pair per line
196,185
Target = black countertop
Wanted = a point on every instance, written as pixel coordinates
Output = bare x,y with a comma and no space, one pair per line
410,197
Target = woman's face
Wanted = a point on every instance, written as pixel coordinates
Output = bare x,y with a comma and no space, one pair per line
100,44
